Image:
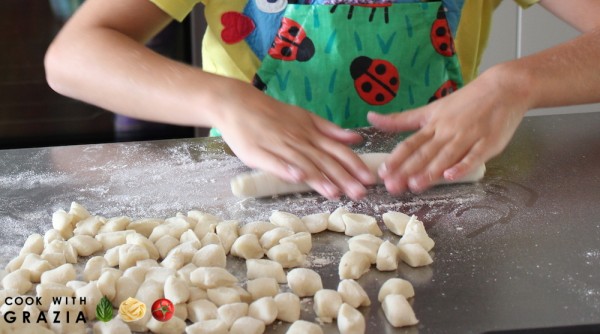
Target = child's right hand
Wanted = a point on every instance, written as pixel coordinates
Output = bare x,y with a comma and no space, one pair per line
290,142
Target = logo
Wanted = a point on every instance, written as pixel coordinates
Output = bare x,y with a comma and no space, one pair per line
163,309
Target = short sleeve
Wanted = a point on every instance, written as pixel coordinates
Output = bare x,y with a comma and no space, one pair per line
177,9
527,3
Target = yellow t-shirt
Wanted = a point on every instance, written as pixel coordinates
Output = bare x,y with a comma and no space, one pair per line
238,61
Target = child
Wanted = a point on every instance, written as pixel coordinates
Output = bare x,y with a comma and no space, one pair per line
338,61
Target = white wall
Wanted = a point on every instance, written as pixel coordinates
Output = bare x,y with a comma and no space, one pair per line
539,30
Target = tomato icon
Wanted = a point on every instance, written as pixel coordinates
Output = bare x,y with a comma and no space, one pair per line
163,309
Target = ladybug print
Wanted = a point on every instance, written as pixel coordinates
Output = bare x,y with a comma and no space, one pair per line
376,80
440,35
259,83
291,42
445,89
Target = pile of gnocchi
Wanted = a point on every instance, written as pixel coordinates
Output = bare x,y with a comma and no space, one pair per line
183,259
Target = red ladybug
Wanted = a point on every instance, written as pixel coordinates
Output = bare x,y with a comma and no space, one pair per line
376,80
445,89
440,35
291,42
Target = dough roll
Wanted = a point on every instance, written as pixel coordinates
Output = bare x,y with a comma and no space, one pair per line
261,184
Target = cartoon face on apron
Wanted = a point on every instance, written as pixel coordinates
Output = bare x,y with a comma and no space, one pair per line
341,60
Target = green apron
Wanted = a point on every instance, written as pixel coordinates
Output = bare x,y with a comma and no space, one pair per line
342,61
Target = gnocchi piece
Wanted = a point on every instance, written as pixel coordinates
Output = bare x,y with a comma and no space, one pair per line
165,244
147,263
395,222
272,237
415,233
224,295
229,313
203,227
317,222
76,284
51,235
304,282
213,326
245,296
212,277
191,221
61,274
173,226
67,318
61,246
211,238
148,292
173,326
174,260
258,228
287,254
263,309
107,283
247,325
15,263
114,326
138,274
262,287
227,231
201,309
79,212
125,287
335,222
115,224
288,306
47,291
288,220
414,255
187,249
63,223
327,304
184,272
367,244
33,245
350,320
387,257
247,247
212,255
396,286
256,268
36,266
145,226
113,239
190,236
353,265
203,217
303,240
398,312
353,294
55,259
180,311
176,290
159,274
129,255
356,224
85,245
88,226
134,238
92,296
304,327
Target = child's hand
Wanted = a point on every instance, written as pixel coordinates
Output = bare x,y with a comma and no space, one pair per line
454,135
292,143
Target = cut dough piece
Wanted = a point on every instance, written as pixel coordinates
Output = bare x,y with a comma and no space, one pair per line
229,313
353,265
261,184
247,325
335,222
395,221
258,228
304,327
201,309
287,254
398,312
387,257
327,303
350,320
213,326
211,255
415,233
414,255
247,247
302,239
265,268
396,286
357,223
367,244
212,277
353,294
18,280
262,287
304,282
317,222
224,295
286,219
288,306
264,309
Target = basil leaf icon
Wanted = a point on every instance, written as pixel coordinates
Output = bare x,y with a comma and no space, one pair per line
104,310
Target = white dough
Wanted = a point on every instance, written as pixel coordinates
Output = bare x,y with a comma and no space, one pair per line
114,326
335,222
262,184
398,312
327,303
263,309
159,274
395,221
396,286
176,290
190,235
258,228
302,239
201,309
353,265
129,255
165,244
387,257
224,295
173,326
211,239
212,255
247,325
213,326
134,238
36,266
229,313
85,245
262,287
19,280
350,320
415,233
212,277
272,237
55,259
304,327
62,222
367,244
33,245
414,255
113,239
317,222
227,231
144,226
288,306
61,312
107,283
256,268
125,287
289,220
92,296
357,223
287,254
304,282
115,224
48,291
247,247
61,274
78,211
88,226
353,294
185,271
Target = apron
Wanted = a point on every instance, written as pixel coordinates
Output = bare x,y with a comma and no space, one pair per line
340,61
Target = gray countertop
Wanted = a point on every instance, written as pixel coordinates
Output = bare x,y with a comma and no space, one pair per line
521,249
